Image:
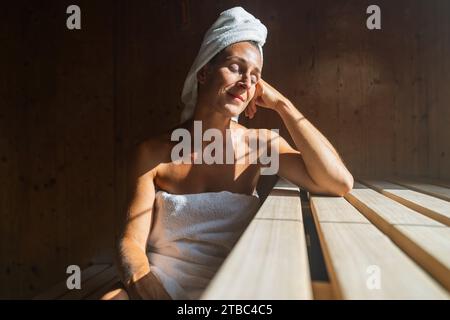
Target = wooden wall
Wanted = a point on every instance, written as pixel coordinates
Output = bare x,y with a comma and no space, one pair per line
72,103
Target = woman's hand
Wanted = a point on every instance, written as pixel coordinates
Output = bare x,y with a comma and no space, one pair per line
266,96
148,288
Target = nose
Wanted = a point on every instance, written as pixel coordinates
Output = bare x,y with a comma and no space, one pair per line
245,82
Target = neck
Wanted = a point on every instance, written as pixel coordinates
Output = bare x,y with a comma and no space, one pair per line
210,119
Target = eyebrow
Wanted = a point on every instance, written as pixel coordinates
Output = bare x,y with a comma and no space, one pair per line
242,60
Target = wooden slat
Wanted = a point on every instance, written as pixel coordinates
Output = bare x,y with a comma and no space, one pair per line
437,191
96,295
283,184
394,219
92,285
60,289
352,246
270,259
322,290
432,207
437,182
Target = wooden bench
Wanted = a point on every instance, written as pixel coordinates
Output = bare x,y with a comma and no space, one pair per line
386,239
96,280
270,260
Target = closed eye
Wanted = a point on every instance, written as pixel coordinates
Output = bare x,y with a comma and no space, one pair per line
236,68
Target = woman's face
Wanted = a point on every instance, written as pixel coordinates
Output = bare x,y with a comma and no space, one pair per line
228,83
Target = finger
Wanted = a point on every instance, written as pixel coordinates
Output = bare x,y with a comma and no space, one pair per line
249,107
261,92
252,109
260,88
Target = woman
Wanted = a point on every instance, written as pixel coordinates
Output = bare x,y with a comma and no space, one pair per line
184,248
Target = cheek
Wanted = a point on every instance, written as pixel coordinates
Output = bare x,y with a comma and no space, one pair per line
229,78
219,81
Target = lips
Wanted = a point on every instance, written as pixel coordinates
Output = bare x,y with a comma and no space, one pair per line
236,96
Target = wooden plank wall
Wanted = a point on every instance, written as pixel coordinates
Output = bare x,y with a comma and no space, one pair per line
72,103
381,97
57,187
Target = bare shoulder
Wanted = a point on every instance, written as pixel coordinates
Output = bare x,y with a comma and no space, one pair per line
150,153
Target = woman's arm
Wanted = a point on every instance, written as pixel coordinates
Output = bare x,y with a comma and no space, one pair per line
324,165
132,261
315,164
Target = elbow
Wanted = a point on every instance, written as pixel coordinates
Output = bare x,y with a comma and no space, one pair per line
344,186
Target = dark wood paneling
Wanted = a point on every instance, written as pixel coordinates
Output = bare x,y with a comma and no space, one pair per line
73,103
58,138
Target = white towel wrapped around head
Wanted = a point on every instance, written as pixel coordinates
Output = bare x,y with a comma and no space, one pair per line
233,25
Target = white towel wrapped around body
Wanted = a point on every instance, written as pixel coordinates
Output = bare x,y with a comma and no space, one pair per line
192,234
233,25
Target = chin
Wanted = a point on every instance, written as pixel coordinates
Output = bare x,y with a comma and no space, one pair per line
231,110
